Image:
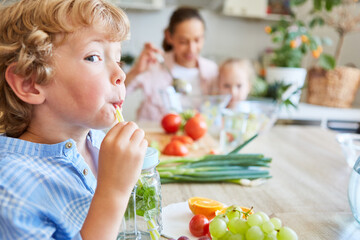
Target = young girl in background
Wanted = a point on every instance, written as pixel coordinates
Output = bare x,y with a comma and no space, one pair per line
235,77
183,42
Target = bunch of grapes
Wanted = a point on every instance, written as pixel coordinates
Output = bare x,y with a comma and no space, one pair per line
235,224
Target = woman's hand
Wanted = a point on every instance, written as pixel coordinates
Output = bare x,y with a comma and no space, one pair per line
143,63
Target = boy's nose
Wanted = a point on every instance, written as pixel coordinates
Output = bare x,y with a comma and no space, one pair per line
118,76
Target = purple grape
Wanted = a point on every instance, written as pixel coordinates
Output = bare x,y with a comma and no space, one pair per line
183,238
204,238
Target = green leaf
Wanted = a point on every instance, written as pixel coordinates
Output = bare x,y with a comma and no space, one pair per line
276,39
316,21
328,5
297,2
317,5
327,62
146,200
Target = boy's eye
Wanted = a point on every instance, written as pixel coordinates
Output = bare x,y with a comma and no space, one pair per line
93,58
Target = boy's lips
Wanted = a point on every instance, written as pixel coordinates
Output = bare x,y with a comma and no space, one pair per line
118,104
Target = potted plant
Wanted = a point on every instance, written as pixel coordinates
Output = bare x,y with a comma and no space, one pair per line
293,41
329,84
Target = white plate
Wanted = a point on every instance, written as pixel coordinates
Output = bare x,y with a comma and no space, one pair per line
176,218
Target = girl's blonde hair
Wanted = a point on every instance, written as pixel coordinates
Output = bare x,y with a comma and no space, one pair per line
28,30
241,63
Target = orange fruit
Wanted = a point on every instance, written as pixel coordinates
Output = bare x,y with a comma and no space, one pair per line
293,44
316,53
205,206
304,39
268,29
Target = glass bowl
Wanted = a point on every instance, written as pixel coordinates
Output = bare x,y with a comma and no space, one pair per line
350,145
245,120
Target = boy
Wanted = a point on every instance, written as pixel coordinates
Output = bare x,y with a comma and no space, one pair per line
235,76
59,79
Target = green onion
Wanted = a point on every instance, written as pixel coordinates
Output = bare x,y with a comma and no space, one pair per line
215,168
237,149
209,157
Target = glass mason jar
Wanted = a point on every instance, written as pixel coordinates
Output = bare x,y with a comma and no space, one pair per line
354,191
142,219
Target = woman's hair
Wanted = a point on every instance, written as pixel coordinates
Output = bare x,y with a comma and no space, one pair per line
240,63
180,15
28,30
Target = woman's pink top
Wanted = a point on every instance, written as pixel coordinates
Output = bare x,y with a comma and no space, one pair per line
157,79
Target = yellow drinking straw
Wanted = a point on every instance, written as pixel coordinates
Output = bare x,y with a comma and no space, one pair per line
118,114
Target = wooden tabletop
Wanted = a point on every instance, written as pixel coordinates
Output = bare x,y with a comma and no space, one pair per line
308,190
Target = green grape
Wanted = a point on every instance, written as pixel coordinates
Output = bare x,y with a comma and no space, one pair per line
286,233
255,220
273,233
238,225
222,217
217,227
237,236
226,236
267,227
232,225
277,223
232,207
254,233
264,216
270,237
233,214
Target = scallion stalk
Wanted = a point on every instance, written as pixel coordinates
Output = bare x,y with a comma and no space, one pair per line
215,168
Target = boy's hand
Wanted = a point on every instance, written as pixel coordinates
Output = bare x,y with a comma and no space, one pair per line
120,159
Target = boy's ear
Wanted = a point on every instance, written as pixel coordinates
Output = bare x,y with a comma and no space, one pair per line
25,89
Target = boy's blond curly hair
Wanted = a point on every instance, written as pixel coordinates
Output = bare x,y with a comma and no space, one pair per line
28,30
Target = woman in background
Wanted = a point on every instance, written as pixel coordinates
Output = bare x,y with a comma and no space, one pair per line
183,42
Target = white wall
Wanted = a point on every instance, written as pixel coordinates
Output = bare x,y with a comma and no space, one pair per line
225,37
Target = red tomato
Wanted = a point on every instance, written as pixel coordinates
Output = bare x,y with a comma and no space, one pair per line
199,225
196,127
175,148
184,139
171,122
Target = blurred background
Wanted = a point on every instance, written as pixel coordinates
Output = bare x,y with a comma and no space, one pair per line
230,32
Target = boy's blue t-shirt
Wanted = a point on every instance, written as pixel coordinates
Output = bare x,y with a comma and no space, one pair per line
45,190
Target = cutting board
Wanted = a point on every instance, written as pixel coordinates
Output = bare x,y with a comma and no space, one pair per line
199,148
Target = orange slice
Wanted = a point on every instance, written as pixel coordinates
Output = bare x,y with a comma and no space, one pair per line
205,206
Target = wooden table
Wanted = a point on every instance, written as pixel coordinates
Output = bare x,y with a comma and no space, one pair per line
308,191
